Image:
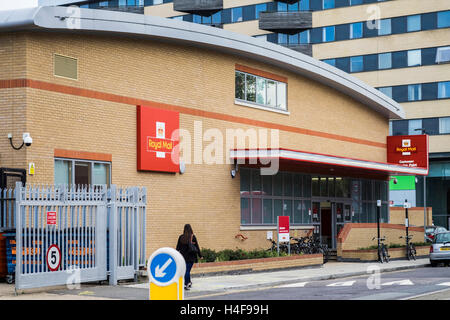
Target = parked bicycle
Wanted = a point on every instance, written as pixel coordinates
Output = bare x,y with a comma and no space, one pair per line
274,246
383,253
410,248
309,245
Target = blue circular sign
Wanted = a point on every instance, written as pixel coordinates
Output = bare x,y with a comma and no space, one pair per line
163,267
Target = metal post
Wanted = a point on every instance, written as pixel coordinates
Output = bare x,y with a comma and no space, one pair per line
406,222
378,227
112,237
424,204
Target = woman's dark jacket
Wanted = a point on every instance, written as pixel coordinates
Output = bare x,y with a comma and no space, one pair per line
183,248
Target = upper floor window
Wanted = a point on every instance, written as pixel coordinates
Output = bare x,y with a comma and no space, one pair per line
384,27
444,90
385,60
414,92
387,91
356,64
328,4
236,14
413,23
328,34
260,91
443,19
443,55
356,30
414,58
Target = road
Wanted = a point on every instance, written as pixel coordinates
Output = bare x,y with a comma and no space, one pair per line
421,283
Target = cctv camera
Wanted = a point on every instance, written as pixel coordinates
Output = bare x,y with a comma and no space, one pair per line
233,173
395,181
27,139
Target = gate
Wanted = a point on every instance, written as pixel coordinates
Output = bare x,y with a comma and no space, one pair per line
76,234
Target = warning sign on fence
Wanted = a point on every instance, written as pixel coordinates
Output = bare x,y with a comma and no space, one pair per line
51,218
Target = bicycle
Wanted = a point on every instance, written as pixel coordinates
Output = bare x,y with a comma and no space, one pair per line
274,246
410,248
383,253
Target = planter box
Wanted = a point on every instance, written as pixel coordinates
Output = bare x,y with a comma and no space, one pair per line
372,255
257,265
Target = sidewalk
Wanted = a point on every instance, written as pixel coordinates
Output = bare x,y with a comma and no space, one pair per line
204,286
330,270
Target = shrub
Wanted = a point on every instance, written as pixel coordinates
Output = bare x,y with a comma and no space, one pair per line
210,255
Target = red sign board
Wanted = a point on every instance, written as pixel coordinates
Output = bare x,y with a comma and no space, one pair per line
51,218
283,228
157,138
408,151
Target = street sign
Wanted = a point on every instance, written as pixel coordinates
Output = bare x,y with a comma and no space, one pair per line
166,268
53,257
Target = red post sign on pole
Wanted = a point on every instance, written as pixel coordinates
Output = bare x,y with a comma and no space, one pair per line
283,228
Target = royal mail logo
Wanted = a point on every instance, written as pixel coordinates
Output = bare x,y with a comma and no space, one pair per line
157,139
406,143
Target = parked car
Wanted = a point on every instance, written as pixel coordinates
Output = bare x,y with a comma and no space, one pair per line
431,231
440,249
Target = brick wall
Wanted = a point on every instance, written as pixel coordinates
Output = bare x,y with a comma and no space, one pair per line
397,215
354,236
97,113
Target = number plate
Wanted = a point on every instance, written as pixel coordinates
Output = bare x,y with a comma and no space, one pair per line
445,249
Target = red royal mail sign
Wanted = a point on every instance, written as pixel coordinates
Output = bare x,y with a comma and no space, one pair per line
283,228
157,138
408,151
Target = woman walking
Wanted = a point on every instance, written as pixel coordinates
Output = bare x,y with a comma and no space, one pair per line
188,247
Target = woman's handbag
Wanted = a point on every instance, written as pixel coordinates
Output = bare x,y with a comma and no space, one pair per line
192,248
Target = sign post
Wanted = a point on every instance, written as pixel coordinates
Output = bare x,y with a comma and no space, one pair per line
378,227
166,268
283,232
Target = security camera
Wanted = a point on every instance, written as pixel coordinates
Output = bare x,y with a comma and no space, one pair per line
27,140
233,173
395,181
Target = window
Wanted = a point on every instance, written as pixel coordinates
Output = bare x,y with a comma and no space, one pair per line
260,90
384,27
331,62
356,30
444,125
414,92
385,60
282,38
414,58
443,55
443,19
355,2
387,91
328,34
328,4
260,8
281,7
236,14
413,23
444,90
400,127
413,125
304,37
356,64
82,172
304,5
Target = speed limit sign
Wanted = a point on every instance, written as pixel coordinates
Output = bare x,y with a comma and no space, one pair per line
53,257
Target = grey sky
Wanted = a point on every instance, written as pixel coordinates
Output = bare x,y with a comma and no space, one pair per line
17,4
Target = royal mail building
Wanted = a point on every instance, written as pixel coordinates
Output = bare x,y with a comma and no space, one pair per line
226,132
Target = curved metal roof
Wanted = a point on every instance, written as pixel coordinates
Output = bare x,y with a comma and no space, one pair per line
76,20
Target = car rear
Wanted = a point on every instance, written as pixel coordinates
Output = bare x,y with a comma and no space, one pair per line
440,249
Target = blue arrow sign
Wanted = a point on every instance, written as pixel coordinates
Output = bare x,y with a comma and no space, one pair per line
163,267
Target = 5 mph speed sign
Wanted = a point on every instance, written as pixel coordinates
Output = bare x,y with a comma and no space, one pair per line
53,257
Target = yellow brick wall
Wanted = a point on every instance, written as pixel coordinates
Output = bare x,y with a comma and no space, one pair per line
415,216
205,196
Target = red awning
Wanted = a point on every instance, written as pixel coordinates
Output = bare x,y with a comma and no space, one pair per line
299,161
